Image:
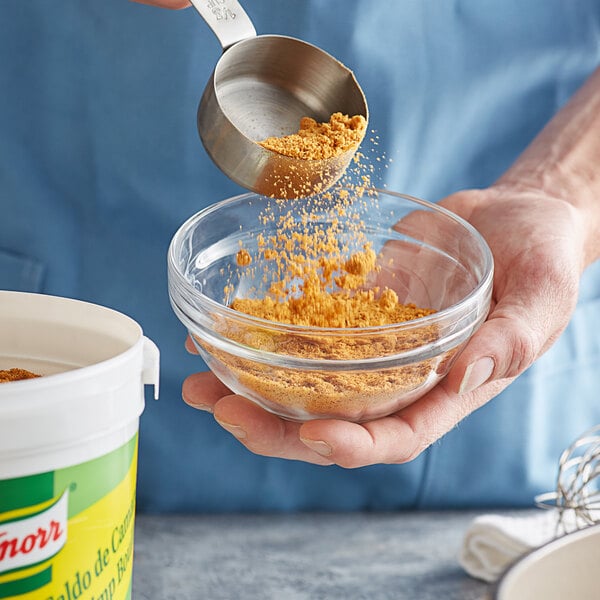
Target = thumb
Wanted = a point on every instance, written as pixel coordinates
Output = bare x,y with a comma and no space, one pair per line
502,348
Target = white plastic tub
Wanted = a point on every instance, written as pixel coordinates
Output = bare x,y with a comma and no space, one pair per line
68,447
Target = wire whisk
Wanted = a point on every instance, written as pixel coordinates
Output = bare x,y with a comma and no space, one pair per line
577,495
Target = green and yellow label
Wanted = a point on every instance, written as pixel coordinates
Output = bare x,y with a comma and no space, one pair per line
68,534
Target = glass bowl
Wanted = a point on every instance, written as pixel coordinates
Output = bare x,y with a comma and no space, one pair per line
427,255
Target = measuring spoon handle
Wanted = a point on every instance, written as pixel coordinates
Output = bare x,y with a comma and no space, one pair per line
227,19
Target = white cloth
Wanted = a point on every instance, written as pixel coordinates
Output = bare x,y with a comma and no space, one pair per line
492,542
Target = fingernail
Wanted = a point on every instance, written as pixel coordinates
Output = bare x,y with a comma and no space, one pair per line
197,405
204,407
477,374
234,430
318,446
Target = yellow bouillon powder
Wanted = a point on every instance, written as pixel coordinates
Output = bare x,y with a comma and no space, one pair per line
331,292
317,141
318,268
16,374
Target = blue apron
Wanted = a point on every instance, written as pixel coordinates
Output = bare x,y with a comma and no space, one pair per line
100,163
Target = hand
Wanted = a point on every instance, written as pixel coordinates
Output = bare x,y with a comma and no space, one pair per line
173,4
541,244
538,247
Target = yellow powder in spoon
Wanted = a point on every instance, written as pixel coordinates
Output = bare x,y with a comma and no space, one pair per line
16,374
319,141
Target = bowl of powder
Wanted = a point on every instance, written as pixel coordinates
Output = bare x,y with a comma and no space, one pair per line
347,305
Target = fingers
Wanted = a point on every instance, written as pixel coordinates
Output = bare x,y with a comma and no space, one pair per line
350,445
189,346
203,391
399,438
502,348
520,328
395,439
172,4
264,433
508,345
261,432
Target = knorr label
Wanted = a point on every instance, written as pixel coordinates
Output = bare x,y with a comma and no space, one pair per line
68,534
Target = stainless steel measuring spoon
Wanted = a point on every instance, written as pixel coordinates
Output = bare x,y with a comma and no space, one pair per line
262,86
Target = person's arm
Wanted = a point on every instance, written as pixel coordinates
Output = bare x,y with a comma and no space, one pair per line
564,161
542,222
559,175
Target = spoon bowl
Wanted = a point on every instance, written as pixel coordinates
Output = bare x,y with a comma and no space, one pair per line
261,87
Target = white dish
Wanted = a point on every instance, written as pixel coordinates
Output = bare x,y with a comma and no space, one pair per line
564,569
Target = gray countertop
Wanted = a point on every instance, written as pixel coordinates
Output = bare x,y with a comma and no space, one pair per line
303,556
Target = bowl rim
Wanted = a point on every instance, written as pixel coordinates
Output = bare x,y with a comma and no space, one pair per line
290,328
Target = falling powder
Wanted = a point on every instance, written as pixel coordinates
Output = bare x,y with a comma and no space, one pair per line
317,268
